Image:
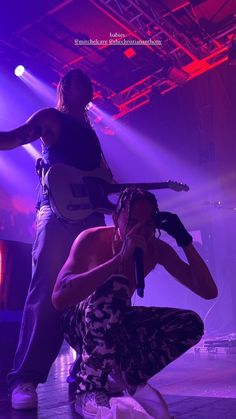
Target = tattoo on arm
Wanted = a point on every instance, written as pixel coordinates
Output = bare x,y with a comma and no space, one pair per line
29,133
64,283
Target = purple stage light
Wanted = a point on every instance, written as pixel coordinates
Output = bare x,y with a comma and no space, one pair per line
41,88
33,152
19,70
89,106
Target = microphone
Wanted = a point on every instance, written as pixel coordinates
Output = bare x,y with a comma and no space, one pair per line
138,268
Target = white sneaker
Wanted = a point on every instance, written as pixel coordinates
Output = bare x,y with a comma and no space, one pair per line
24,396
87,403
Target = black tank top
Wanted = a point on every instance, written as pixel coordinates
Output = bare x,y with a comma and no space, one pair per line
77,146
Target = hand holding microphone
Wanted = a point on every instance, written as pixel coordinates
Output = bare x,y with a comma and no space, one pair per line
132,241
138,269
134,247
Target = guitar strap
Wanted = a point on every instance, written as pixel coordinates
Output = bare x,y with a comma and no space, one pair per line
41,170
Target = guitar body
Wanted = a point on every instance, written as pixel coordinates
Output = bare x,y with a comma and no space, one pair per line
71,192
75,194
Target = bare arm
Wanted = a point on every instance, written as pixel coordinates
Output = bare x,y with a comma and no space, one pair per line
195,274
79,278
33,128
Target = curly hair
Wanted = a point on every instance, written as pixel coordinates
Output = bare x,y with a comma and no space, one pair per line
128,197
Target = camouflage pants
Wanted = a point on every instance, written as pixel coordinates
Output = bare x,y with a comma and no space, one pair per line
107,331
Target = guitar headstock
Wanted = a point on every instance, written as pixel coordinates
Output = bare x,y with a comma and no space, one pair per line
178,186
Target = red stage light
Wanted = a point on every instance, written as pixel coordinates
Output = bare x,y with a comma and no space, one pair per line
129,53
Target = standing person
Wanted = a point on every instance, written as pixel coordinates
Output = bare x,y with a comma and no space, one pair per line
94,290
68,138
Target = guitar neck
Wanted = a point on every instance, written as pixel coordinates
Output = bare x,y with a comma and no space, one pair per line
121,186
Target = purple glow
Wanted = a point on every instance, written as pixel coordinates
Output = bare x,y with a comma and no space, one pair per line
33,152
19,70
89,106
43,90
12,172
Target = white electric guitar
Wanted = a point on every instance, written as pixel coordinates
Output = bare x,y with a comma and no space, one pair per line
74,194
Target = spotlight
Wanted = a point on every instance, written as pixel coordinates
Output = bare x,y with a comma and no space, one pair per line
129,53
19,70
89,106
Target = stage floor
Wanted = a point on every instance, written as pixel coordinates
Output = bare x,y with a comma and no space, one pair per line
196,386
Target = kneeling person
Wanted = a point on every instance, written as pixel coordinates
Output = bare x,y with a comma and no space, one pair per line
94,289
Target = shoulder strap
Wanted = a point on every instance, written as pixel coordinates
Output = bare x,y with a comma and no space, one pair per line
41,169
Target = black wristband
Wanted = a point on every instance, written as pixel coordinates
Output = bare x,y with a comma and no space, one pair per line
185,239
